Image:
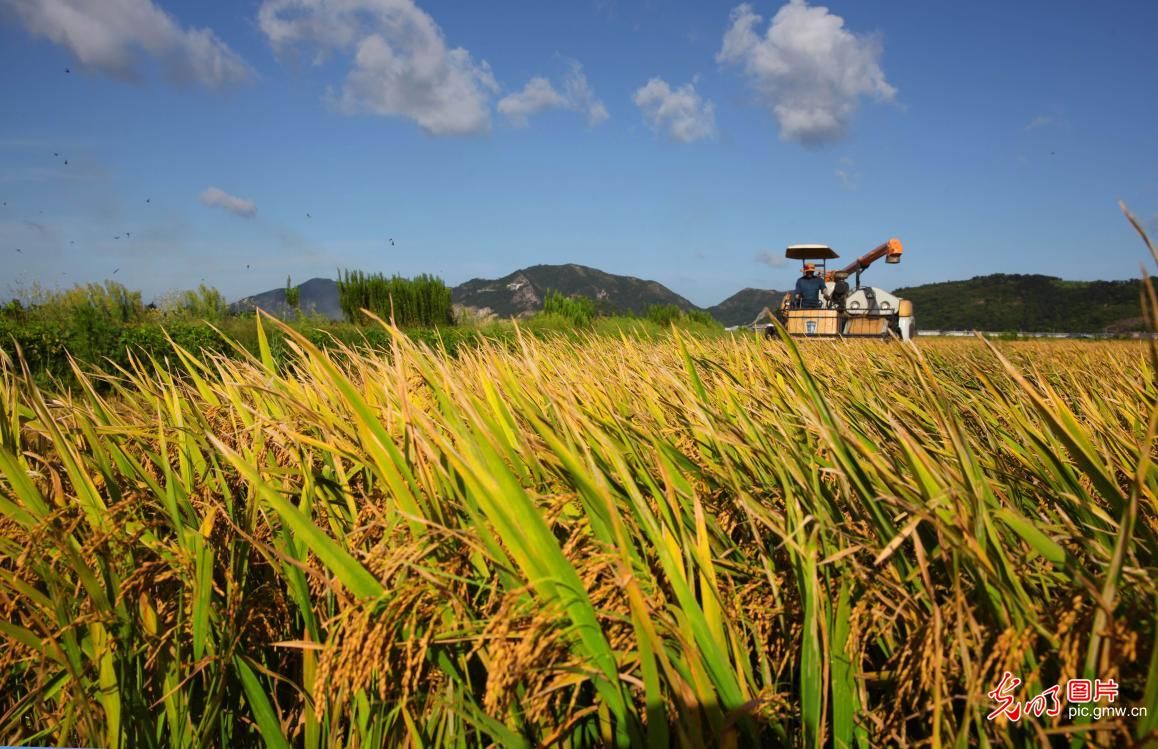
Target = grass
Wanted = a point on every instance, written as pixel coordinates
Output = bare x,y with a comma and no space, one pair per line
576,541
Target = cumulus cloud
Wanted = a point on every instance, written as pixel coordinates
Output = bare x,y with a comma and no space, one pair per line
771,259
807,68
680,112
112,37
402,65
539,95
214,196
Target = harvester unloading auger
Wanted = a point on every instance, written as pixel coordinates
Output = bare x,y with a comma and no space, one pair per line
843,312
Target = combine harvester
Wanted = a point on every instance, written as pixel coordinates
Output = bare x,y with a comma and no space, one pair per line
861,312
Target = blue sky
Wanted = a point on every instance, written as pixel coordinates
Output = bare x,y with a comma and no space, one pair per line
684,142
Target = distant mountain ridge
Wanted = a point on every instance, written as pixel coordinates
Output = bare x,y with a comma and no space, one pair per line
743,306
522,292
997,302
317,296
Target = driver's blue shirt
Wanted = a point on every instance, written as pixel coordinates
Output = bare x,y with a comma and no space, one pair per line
808,289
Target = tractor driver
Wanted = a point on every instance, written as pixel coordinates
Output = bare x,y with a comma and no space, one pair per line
809,289
839,290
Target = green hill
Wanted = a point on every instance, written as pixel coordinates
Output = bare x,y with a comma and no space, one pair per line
743,306
1011,302
317,296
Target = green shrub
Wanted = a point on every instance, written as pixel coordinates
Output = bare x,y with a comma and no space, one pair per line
14,310
293,295
665,315
702,317
148,338
44,345
196,337
202,303
109,302
579,311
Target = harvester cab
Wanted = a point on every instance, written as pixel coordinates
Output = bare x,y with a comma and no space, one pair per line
856,312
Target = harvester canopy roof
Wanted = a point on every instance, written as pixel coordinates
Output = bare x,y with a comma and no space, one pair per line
810,252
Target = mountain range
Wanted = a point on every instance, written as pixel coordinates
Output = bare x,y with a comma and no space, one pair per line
997,302
522,292
317,296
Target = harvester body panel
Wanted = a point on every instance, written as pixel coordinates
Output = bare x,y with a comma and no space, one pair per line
864,312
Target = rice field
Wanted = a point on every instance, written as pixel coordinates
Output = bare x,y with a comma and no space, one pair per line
606,541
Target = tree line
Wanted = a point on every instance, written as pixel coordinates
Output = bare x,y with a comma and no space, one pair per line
423,301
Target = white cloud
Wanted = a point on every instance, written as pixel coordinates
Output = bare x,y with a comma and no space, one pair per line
808,69
540,95
847,174
111,36
1040,121
771,259
402,66
680,112
582,97
537,96
217,197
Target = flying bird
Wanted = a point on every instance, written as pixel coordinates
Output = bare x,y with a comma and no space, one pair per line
391,242
308,216
54,153
66,162
115,271
117,236
67,70
20,250
128,234
146,200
